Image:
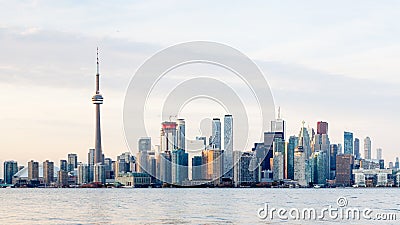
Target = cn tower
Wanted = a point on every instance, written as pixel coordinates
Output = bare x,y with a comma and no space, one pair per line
97,99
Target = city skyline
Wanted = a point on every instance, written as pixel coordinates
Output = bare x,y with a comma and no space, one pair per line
343,85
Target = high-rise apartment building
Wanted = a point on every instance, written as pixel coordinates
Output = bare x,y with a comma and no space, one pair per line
48,172
33,170
10,168
367,148
72,162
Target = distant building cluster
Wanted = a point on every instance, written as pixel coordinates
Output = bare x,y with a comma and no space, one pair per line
306,160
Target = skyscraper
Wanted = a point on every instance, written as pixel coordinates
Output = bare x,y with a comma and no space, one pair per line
63,165
322,127
216,134
228,146
344,167
279,146
72,162
348,143
321,149
279,125
10,168
33,170
397,164
181,134
367,148
305,141
179,166
300,166
144,144
357,148
48,171
99,173
378,153
196,168
97,100
333,153
168,136
293,142
91,154
83,174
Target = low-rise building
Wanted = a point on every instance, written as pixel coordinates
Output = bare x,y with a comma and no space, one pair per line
134,179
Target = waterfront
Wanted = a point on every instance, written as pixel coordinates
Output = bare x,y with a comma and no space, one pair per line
179,206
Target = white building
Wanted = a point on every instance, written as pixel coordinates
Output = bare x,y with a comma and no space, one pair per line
278,166
300,166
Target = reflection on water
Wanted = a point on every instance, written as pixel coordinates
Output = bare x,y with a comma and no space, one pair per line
176,206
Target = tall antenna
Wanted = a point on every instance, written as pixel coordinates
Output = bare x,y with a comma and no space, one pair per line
97,74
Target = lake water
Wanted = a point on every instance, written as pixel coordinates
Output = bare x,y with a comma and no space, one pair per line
182,206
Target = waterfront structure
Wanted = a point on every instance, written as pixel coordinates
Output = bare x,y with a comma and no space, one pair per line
215,142
134,179
344,167
242,173
83,174
97,100
33,170
292,144
48,172
62,178
228,146
371,177
72,162
398,179
357,148
99,173
367,148
10,168
348,143
378,153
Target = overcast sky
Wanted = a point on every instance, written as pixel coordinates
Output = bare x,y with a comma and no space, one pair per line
334,61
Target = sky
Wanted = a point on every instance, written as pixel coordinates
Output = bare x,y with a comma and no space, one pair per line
333,61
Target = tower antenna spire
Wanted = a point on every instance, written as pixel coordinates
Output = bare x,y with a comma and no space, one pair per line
98,73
